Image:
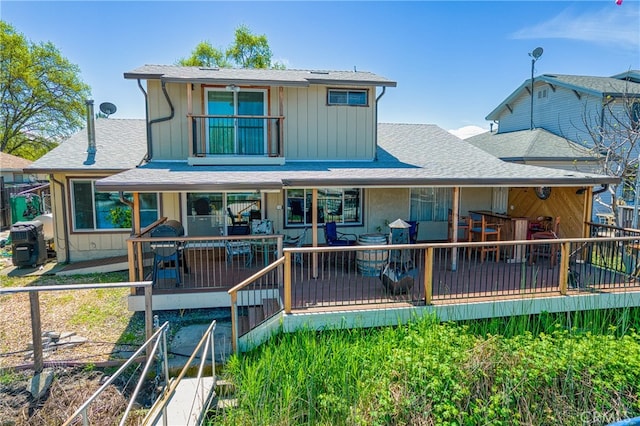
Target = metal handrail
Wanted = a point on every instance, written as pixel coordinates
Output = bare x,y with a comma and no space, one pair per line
82,411
160,406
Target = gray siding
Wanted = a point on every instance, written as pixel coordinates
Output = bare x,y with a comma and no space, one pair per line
561,112
312,129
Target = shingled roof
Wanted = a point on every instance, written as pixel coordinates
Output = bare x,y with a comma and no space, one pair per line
121,145
286,77
408,155
625,84
10,162
531,145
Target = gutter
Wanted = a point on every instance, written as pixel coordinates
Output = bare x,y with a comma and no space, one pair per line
65,226
375,154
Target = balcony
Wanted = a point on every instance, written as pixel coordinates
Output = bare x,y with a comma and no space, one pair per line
236,140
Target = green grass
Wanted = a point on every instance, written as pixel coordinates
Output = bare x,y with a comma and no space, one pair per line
550,369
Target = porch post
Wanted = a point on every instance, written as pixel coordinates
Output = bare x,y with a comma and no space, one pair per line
428,275
455,214
314,228
565,250
190,118
287,282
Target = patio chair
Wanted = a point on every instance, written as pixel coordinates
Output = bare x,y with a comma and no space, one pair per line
335,238
481,230
550,232
413,231
239,248
296,242
237,228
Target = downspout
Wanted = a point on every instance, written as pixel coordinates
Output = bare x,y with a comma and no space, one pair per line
146,114
65,227
605,186
384,89
157,120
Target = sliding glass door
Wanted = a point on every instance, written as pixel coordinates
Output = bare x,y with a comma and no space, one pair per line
237,135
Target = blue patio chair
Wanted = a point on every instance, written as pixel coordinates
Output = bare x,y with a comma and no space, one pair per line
413,231
335,238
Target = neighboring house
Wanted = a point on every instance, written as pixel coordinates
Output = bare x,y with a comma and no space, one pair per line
11,169
572,108
13,180
563,103
223,145
537,147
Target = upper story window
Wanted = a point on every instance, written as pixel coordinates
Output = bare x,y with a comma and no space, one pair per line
103,211
350,97
340,205
542,94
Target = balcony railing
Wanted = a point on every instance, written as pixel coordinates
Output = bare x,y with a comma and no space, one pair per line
236,135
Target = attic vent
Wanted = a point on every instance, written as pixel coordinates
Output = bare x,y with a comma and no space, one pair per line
319,72
209,69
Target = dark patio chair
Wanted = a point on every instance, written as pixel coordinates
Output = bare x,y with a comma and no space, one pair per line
296,242
413,231
335,238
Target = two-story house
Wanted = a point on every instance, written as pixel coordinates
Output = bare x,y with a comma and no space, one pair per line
300,148
557,120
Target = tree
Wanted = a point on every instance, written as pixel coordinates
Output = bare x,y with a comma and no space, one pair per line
614,133
42,99
205,55
247,51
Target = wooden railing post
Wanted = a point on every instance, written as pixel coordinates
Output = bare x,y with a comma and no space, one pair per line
287,282
565,254
428,275
234,320
131,263
36,331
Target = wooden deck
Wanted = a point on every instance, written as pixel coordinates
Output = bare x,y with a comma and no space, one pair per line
340,281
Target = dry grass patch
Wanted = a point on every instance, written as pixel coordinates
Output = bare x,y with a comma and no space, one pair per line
99,315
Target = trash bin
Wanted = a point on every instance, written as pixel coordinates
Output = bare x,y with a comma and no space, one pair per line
28,245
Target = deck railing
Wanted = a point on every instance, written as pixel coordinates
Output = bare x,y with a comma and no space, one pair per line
205,263
236,135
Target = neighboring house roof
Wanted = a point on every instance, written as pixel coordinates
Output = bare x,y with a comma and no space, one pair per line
120,145
616,86
531,145
12,163
302,78
408,155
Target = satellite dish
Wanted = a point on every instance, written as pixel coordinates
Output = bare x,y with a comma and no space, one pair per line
537,52
108,108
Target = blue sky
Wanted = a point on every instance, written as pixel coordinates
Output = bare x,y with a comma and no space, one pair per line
454,61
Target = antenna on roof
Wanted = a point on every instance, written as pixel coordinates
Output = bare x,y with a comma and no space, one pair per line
354,69
107,108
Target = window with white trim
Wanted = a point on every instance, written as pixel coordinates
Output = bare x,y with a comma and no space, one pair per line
103,211
430,204
340,205
349,97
